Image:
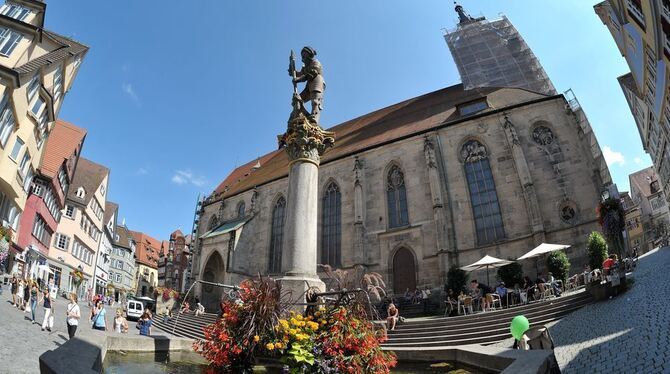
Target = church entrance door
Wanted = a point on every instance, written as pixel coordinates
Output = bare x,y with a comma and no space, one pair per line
404,271
211,295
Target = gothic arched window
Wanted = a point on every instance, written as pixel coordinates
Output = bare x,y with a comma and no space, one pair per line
240,209
277,236
331,228
213,222
396,197
483,195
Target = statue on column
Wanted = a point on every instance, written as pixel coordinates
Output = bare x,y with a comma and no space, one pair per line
312,73
304,138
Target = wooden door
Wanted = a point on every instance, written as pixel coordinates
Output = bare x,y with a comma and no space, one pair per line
404,271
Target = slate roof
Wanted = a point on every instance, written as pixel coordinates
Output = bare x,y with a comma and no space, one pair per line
392,123
124,237
88,175
63,139
110,209
642,181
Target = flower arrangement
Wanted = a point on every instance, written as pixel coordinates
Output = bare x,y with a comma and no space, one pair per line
167,293
329,340
77,277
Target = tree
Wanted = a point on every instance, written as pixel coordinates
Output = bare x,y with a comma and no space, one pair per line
511,274
456,279
611,217
597,250
559,265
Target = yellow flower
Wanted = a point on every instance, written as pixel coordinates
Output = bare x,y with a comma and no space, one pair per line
278,345
270,346
292,331
225,315
257,338
299,317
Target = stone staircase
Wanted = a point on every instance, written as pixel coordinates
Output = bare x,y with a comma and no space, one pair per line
480,328
188,326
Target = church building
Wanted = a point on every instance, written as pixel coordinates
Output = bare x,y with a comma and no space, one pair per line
412,189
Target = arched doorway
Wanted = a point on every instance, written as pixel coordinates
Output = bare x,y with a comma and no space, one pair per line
404,271
211,295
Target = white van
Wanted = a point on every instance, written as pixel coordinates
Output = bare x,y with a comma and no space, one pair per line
134,309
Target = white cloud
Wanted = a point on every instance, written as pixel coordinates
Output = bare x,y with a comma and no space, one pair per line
141,171
128,89
637,160
613,157
182,177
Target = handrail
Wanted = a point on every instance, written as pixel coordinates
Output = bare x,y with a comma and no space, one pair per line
232,288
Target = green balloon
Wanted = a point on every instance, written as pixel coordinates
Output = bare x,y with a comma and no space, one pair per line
519,326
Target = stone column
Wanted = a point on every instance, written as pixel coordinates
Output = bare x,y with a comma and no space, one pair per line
305,142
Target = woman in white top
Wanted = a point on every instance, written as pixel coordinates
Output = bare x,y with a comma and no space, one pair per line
120,323
73,315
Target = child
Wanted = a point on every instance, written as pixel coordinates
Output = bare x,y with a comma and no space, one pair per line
144,324
120,323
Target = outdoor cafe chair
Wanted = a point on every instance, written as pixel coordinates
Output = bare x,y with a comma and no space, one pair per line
466,304
492,299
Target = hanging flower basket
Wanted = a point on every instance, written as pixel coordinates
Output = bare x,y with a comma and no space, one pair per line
77,277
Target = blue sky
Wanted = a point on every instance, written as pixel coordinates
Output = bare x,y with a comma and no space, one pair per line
175,94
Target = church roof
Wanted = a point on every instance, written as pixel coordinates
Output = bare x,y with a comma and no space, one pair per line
398,121
88,175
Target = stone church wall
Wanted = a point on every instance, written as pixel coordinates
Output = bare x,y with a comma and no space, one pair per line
562,173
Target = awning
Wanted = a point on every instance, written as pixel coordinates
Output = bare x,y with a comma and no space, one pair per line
542,249
227,227
486,262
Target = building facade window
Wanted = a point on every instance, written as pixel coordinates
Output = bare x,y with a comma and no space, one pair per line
277,236
240,209
62,241
15,11
483,195
58,84
8,41
24,164
62,180
396,197
213,222
70,211
472,107
81,252
331,227
28,178
6,121
41,231
81,193
18,145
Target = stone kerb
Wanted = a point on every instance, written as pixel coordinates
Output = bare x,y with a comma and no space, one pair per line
86,355
499,360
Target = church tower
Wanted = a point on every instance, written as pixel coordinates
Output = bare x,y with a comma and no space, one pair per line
493,54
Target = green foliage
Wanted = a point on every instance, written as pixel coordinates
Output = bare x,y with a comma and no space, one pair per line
597,250
511,274
5,233
456,279
299,354
559,265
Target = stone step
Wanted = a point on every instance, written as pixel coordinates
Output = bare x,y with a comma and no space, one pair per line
478,331
489,338
488,317
492,315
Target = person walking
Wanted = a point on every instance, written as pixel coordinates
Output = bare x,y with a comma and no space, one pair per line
99,315
19,294
26,295
34,293
13,287
73,315
47,324
120,323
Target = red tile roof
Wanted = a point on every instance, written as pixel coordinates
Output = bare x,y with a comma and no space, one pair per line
147,249
63,139
642,181
392,123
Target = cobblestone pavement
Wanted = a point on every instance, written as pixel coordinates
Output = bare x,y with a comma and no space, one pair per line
627,334
21,342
